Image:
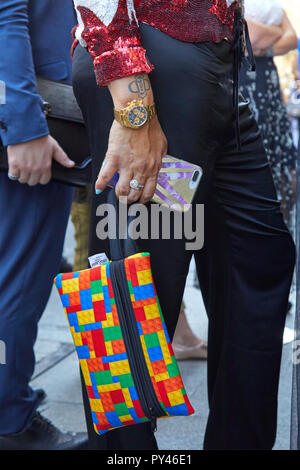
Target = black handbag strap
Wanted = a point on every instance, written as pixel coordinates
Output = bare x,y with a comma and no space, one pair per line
124,247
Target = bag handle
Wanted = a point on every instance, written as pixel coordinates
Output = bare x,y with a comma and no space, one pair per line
124,247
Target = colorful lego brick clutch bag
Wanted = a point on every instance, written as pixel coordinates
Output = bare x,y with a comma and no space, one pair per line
123,346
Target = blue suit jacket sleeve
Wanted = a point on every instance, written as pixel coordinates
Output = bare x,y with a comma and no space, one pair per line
22,114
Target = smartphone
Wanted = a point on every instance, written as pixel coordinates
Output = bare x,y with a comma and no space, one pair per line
177,183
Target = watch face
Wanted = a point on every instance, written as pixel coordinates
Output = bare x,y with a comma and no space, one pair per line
137,116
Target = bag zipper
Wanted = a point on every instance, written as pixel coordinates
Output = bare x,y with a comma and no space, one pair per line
142,380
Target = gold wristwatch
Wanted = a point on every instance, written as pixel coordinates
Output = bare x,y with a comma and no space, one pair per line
135,115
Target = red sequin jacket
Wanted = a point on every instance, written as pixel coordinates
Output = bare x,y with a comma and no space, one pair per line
109,29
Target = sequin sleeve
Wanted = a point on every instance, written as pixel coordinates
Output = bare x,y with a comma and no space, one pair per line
109,29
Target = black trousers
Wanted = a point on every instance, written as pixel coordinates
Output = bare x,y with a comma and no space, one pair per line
246,265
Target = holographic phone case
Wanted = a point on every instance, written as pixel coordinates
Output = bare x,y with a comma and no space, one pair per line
177,183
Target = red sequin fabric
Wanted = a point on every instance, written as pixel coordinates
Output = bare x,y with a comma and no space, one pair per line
109,29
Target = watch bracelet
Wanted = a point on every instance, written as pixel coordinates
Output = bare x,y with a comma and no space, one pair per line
120,115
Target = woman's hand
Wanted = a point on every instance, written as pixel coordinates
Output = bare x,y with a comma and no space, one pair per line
271,38
134,153
263,36
289,40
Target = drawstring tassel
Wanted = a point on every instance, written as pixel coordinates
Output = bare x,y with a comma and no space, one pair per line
250,58
241,42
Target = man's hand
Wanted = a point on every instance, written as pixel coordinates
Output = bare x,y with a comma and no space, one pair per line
31,161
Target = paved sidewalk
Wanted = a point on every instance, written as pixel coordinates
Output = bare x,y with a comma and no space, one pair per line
57,373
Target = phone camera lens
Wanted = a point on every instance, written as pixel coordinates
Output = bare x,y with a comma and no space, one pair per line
195,176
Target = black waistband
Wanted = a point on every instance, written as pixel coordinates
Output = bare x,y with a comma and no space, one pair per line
223,50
